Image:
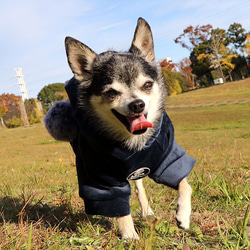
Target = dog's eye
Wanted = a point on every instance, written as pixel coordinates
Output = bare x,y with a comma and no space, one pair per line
111,93
148,85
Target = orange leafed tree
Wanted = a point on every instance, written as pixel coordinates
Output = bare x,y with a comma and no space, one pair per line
3,106
167,64
9,106
185,69
193,36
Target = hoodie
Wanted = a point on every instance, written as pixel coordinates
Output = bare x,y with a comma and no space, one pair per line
104,167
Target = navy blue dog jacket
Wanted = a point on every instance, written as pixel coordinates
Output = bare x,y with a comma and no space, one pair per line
104,167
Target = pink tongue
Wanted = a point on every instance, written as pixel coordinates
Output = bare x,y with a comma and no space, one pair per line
138,123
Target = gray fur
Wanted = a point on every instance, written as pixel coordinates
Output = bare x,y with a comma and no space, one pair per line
60,123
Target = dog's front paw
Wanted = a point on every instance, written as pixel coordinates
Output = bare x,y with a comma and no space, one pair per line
183,220
127,229
147,212
128,236
183,216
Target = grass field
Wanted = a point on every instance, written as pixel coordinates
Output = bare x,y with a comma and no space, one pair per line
40,207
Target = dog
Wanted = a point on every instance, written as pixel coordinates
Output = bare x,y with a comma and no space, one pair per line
119,130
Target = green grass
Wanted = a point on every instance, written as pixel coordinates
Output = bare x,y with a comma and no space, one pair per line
226,93
40,207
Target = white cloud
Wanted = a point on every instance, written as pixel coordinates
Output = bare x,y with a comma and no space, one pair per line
114,25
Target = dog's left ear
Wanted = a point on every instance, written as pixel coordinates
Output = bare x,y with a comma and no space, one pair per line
143,41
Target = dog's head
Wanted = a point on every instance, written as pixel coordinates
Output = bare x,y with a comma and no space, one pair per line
122,92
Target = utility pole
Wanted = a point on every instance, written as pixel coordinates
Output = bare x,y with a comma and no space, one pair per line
24,94
21,84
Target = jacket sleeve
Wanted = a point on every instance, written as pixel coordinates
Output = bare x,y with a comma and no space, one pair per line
175,164
103,193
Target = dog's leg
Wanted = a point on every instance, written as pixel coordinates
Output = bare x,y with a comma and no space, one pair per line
127,228
141,194
184,204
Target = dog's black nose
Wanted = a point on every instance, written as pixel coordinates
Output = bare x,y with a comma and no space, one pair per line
137,106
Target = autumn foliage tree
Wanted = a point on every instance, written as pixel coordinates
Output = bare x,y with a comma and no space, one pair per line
219,54
195,39
185,69
167,64
3,106
171,80
174,81
11,104
193,36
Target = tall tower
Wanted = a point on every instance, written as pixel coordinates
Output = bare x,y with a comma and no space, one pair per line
24,93
21,84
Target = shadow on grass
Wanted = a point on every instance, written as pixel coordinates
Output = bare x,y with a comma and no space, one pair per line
61,217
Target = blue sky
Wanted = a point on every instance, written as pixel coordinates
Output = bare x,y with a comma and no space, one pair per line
33,32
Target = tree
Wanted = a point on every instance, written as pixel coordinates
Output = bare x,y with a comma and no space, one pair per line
12,116
201,66
219,54
182,81
217,46
195,39
172,83
12,104
246,47
50,94
32,111
185,69
195,35
236,36
241,70
3,106
227,64
168,64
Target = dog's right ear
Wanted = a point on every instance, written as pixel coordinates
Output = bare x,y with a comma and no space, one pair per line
80,58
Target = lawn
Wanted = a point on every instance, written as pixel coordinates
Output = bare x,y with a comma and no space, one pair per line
226,93
40,207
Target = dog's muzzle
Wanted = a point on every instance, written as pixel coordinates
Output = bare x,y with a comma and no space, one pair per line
136,125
